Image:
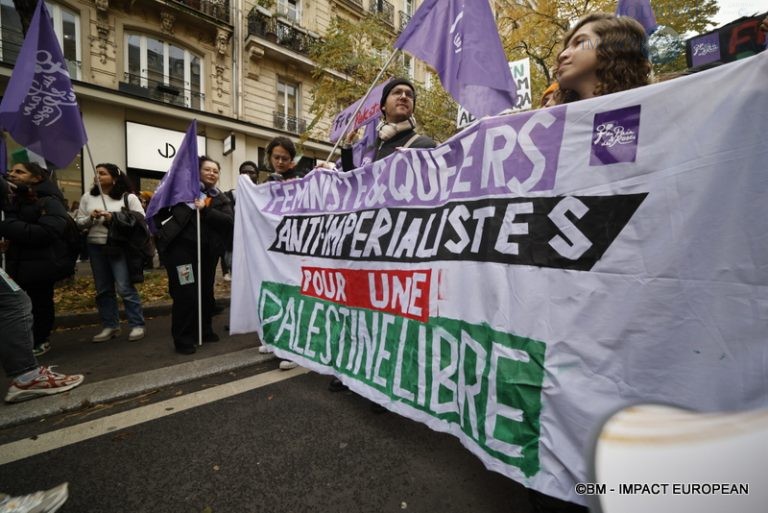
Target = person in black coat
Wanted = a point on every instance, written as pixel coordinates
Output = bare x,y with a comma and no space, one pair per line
397,128
34,221
177,244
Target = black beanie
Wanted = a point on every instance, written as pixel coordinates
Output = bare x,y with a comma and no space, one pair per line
391,85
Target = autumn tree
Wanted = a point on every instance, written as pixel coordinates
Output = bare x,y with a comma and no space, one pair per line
536,29
349,57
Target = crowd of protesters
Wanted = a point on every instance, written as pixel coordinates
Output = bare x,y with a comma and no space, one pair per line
601,54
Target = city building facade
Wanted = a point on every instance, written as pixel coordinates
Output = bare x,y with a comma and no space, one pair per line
144,69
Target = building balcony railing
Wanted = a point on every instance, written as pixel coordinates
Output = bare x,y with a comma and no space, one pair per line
386,9
10,46
356,3
404,19
136,85
279,31
289,123
218,9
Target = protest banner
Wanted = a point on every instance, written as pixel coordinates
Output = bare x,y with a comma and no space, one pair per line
534,273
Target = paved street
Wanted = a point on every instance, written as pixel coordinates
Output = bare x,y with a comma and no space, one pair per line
225,431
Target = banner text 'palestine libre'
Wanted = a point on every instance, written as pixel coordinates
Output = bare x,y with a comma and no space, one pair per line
480,382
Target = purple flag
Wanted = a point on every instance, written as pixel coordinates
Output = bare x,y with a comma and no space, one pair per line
39,108
370,111
640,10
181,184
463,46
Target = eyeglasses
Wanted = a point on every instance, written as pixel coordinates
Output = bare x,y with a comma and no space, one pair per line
249,171
402,92
281,158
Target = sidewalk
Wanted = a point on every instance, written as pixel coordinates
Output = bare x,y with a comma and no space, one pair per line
119,368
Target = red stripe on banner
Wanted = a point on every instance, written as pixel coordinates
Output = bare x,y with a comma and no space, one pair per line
402,293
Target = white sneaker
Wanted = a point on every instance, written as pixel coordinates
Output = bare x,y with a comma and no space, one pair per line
44,382
38,502
137,333
288,365
265,350
106,334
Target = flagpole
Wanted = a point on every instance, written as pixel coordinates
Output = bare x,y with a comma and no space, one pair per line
199,285
361,102
96,175
2,218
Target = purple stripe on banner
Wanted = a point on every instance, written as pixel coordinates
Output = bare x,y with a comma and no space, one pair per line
509,154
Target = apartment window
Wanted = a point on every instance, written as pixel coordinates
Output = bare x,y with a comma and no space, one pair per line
66,25
168,72
290,9
11,36
408,65
287,114
408,7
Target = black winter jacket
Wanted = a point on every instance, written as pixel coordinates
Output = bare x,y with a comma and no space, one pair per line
34,225
387,148
217,223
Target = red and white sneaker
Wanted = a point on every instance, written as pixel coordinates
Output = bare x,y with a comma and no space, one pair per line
47,382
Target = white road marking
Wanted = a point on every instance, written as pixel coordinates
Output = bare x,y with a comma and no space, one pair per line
60,438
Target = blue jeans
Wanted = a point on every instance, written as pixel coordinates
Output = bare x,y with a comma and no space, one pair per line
16,327
108,272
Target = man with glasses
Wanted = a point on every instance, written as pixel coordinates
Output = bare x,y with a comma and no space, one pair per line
397,128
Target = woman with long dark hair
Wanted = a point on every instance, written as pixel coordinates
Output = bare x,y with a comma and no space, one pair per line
110,269
602,54
35,221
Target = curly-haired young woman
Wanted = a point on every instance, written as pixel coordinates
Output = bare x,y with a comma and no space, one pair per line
602,54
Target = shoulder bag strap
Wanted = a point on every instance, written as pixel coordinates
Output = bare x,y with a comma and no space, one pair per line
410,141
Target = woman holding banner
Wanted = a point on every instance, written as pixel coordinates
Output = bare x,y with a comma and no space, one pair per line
281,153
177,243
602,54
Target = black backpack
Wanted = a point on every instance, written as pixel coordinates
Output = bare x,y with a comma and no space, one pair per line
67,248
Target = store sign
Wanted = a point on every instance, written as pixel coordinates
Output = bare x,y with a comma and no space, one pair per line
152,148
736,40
229,144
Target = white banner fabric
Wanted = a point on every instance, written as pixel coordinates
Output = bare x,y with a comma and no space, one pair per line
534,273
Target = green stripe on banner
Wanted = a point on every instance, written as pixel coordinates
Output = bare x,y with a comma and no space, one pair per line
487,382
